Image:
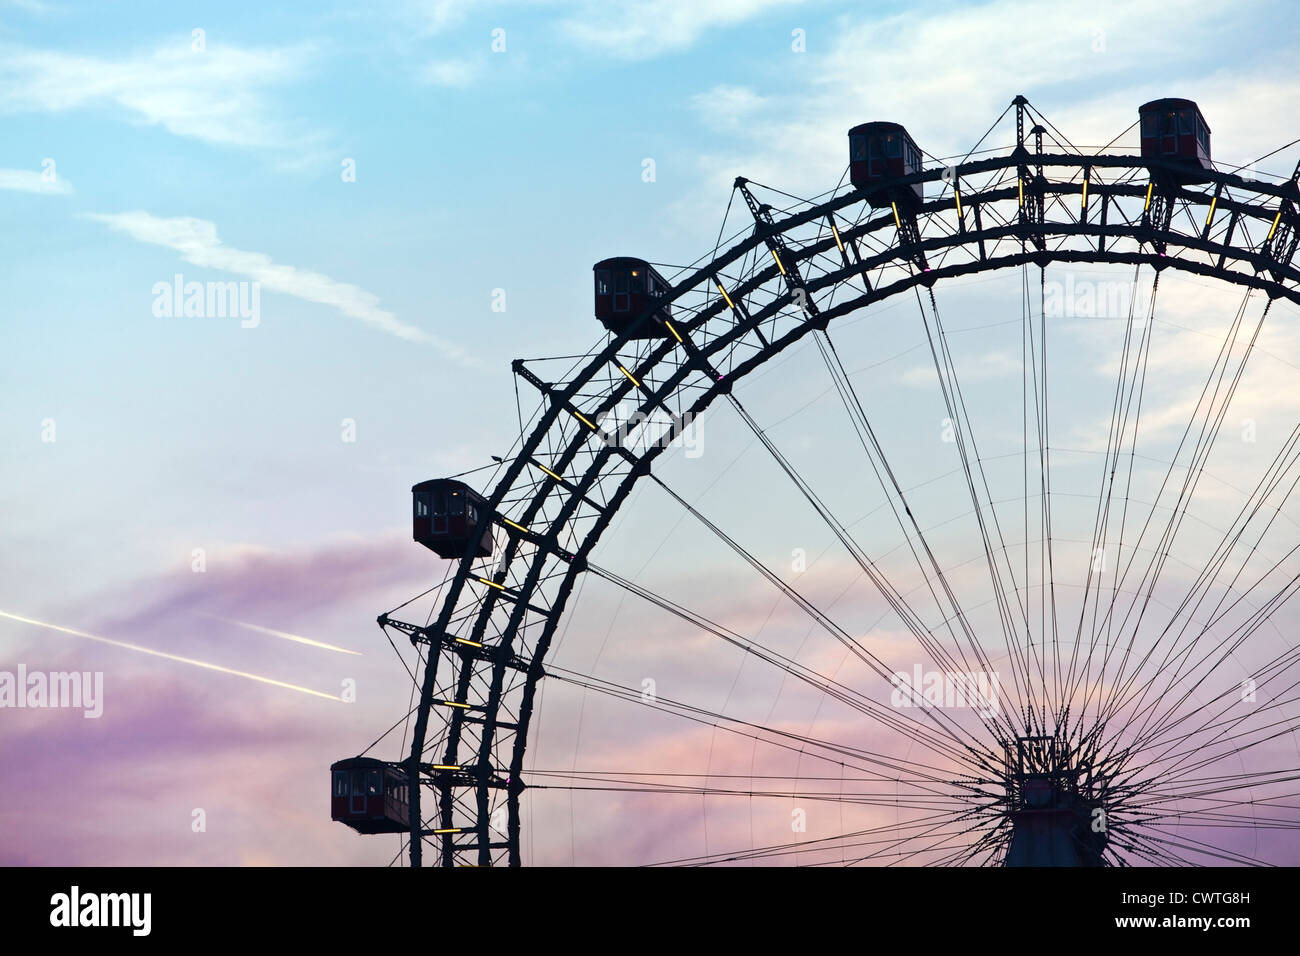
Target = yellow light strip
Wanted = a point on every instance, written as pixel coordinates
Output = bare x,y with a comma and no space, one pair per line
515,525
1021,183
897,222
630,377
1150,186
1085,193
446,766
492,584
778,262
465,640
731,305
836,233
584,419
1210,215
448,830
672,330
452,703
548,471
957,192
1276,220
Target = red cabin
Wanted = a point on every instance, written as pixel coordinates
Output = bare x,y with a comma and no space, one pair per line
369,795
627,289
445,513
1174,129
880,153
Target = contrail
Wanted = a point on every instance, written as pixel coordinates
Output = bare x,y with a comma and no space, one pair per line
171,657
284,634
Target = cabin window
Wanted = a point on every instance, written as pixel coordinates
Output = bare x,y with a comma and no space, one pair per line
395,789
1148,125
620,282
1203,137
638,281
857,148
893,146
602,282
421,506
341,783
374,783
1185,121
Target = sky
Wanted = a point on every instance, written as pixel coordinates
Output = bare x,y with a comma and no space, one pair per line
212,509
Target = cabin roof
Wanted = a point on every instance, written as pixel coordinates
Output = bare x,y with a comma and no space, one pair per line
1168,103
615,261
440,484
359,763
879,126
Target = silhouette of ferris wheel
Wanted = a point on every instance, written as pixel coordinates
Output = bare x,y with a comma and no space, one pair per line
1098,678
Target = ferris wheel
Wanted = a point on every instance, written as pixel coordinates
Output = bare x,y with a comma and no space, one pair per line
1051,635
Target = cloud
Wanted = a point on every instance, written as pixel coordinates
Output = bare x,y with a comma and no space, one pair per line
30,181
1192,320
162,750
278,587
459,73
197,242
174,738
948,73
641,29
438,16
728,106
628,29
975,368
216,94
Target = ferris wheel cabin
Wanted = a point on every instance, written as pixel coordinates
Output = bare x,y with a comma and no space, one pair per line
1175,130
444,515
627,289
880,153
369,795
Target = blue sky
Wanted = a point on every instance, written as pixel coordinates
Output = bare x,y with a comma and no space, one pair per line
221,156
